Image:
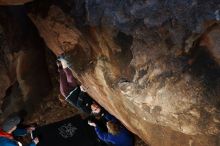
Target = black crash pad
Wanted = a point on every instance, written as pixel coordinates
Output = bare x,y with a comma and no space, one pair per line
70,132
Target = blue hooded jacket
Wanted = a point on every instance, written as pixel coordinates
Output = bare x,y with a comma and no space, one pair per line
123,138
5,141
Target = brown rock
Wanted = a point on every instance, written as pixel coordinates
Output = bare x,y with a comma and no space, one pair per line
14,2
24,76
6,82
140,81
211,40
60,37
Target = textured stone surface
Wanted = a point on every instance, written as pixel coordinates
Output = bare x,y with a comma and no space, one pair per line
5,78
211,40
143,61
59,36
153,64
24,77
14,2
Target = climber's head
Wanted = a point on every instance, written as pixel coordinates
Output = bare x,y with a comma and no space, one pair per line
113,128
96,109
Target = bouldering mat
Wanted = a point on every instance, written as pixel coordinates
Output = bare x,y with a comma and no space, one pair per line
70,132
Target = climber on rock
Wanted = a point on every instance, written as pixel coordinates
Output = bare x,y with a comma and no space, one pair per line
116,134
70,89
99,112
100,116
9,130
84,101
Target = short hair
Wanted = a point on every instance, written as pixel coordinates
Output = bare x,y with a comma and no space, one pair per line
113,128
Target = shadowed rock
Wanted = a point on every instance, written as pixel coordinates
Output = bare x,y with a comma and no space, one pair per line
23,64
143,62
14,2
153,64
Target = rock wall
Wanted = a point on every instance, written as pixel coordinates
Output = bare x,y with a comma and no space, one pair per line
23,68
153,64
14,2
149,63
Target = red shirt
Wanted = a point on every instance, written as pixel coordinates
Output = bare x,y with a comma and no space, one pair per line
5,134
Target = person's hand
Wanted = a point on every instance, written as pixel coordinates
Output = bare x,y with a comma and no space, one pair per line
92,123
62,100
64,63
82,88
36,140
30,129
59,64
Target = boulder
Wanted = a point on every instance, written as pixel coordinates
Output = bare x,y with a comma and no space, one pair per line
14,2
24,75
143,62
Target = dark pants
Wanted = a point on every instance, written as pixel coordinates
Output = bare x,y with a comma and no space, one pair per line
84,102
80,100
73,97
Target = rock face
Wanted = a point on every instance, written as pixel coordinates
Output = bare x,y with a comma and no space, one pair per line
14,2
211,40
23,68
153,64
